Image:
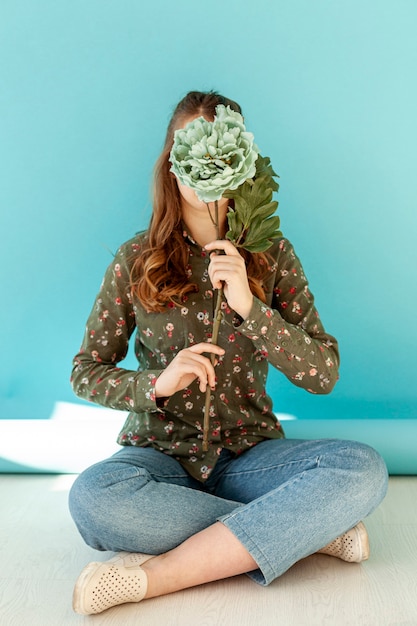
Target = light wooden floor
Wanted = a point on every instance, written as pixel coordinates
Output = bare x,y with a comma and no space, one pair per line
41,555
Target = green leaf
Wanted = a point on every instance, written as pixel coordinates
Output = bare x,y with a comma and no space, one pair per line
267,229
267,209
252,225
264,168
235,226
261,246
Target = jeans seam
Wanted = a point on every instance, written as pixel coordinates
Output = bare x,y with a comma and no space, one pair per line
271,467
251,546
142,469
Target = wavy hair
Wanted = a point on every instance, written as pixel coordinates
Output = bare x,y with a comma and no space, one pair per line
158,275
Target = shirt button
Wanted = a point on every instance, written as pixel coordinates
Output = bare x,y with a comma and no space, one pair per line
255,324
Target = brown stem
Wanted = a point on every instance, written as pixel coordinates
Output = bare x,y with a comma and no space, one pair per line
216,326
215,219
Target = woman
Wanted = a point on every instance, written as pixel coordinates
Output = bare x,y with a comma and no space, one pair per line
255,502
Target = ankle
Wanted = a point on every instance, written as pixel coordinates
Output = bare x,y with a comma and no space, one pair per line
158,577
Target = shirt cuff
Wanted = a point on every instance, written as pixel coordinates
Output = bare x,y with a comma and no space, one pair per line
269,331
258,321
146,399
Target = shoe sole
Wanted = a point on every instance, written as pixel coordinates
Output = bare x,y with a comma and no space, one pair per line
78,599
363,541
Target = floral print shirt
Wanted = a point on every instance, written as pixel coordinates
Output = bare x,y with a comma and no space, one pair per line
285,331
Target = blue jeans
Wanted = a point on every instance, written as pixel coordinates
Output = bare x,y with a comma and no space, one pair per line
283,499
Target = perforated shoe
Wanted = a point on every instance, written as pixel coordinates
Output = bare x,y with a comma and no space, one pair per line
109,583
352,546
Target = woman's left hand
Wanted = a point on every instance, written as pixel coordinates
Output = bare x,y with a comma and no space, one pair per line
229,270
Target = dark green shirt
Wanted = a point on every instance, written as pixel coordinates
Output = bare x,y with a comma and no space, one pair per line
286,332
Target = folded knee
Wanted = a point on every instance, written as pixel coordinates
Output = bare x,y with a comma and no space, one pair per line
97,496
368,469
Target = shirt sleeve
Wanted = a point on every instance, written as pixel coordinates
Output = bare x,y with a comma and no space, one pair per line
289,333
95,375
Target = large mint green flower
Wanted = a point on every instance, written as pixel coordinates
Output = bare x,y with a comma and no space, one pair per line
212,157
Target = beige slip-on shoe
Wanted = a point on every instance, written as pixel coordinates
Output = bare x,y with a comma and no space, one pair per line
352,546
109,583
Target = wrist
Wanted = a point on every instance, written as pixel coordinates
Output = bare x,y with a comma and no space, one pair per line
245,308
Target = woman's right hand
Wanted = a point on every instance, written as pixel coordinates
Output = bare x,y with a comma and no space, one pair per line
188,365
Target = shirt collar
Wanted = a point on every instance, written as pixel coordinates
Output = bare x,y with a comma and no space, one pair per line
187,235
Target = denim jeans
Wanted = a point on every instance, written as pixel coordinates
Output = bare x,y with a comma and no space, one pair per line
283,499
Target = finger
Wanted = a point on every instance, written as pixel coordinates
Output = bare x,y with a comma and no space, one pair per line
228,263
222,244
197,369
226,274
200,348
199,366
206,376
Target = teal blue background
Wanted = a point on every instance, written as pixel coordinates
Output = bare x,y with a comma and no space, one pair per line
329,90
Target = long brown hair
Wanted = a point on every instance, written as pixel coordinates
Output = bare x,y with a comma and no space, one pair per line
158,274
